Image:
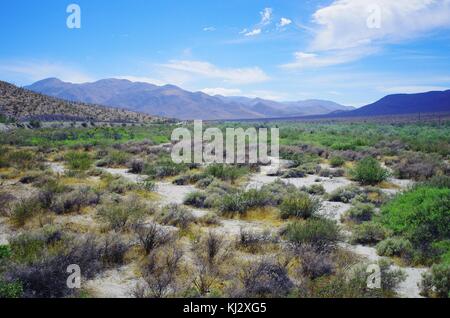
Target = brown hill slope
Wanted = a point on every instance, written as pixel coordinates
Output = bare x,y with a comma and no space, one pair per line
23,104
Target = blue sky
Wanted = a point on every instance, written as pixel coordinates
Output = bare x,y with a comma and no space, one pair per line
350,51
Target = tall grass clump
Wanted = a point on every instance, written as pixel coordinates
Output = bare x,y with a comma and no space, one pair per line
368,171
78,161
299,205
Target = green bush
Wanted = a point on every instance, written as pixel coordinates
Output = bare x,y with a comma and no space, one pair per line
360,212
421,215
123,215
320,233
21,159
5,251
395,247
196,199
241,202
78,161
10,290
226,172
299,205
368,171
368,233
337,161
436,282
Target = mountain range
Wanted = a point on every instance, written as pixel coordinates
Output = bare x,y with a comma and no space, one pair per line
23,105
174,102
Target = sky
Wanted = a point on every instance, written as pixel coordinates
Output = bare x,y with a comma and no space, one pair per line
353,52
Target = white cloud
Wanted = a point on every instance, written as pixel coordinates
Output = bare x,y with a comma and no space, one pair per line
253,32
324,59
284,22
208,70
266,19
38,70
141,79
266,16
411,89
222,91
209,29
344,23
348,30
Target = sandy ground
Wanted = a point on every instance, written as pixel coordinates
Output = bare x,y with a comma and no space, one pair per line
5,233
115,283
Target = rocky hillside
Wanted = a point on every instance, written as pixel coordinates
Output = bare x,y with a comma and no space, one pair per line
23,104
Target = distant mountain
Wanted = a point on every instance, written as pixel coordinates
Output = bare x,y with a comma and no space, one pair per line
24,104
400,104
431,102
172,101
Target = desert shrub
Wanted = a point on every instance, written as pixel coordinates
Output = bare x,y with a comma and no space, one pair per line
417,166
121,186
436,282
136,166
27,247
368,233
344,194
7,200
299,205
160,273
113,251
151,236
5,252
176,215
78,161
181,180
314,263
395,247
195,199
265,278
10,290
315,189
24,210
253,242
164,169
121,215
241,202
211,252
204,182
323,234
148,185
50,190
294,173
421,215
353,283
22,159
117,158
210,219
75,200
369,171
225,172
47,276
337,161
331,173
360,212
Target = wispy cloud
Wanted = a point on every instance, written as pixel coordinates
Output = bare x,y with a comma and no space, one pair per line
31,71
253,32
142,79
284,22
204,69
266,19
222,91
305,60
209,29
